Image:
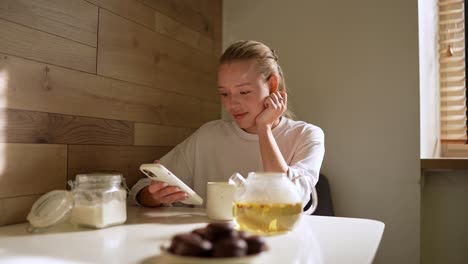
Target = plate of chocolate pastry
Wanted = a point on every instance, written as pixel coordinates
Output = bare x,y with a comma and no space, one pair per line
215,243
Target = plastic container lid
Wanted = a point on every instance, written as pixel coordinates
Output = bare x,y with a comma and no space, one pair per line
98,178
50,208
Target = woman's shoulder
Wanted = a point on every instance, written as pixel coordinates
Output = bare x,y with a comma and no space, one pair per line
303,128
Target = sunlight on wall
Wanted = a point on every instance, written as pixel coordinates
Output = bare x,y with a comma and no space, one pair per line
3,88
3,119
429,80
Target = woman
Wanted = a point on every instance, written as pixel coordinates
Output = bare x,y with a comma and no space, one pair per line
260,136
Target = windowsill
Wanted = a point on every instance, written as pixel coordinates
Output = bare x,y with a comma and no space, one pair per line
445,164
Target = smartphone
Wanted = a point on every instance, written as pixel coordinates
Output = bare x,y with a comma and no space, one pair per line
158,172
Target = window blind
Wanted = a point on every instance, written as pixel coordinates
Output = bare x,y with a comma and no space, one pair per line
451,47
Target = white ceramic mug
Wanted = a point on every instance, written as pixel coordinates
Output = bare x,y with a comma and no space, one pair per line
219,199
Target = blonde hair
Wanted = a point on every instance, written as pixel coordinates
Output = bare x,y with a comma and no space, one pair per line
265,57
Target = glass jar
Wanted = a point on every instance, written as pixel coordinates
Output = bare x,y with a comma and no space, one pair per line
96,200
99,200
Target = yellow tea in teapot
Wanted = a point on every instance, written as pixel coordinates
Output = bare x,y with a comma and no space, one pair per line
266,218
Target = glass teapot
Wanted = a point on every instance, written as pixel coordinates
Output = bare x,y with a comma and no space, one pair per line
267,203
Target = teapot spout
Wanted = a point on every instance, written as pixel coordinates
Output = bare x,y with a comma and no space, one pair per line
237,180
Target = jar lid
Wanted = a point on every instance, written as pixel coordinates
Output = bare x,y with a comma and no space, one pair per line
50,208
98,178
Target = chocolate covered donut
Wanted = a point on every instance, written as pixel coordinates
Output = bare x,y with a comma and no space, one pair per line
202,232
255,244
230,247
217,231
190,245
219,240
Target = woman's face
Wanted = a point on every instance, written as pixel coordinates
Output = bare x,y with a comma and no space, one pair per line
242,90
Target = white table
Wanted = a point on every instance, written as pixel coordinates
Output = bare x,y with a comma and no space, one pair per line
315,239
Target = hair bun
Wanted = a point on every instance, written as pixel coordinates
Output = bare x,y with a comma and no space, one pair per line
273,55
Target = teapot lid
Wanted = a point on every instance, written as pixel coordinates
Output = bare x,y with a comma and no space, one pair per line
266,187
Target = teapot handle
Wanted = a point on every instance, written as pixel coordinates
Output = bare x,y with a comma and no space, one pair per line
314,197
314,204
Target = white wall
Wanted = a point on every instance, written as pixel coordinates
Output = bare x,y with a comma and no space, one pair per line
429,79
444,218
353,70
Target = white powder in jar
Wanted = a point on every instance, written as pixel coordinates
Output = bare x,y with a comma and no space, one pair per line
102,215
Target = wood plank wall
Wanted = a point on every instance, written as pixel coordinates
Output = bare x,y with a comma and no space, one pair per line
99,85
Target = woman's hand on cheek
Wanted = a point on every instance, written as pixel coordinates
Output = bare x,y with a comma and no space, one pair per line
275,106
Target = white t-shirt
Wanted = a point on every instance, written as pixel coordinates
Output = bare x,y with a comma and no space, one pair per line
220,148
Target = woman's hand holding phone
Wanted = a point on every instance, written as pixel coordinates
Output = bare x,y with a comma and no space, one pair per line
275,106
158,193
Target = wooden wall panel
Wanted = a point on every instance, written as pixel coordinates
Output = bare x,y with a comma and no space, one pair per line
32,44
20,126
126,160
168,26
172,77
156,135
141,54
74,20
187,12
210,111
27,169
75,93
99,85
14,210
130,9
216,9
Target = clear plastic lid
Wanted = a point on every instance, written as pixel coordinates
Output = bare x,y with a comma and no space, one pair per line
50,209
98,178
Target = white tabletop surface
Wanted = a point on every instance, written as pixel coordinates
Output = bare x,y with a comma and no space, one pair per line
315,239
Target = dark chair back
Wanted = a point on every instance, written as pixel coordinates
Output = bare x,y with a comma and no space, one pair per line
325,205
